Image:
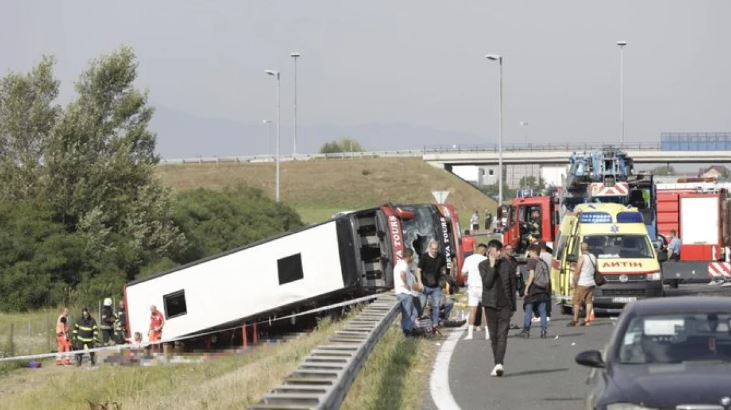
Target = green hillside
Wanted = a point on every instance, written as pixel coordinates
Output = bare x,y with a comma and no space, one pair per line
319,188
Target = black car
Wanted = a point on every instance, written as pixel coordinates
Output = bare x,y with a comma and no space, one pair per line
669,353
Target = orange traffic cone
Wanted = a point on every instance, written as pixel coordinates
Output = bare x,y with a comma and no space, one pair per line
591,315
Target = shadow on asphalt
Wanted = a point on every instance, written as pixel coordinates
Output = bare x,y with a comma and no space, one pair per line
531,372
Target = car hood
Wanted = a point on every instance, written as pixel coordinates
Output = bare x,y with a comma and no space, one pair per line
671,384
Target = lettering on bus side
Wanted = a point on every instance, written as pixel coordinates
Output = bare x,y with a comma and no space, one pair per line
445,239
621,264
396,237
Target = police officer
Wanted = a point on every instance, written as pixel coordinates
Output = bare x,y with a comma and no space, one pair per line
86,334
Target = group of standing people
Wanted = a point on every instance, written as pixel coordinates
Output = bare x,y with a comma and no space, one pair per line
428,283
85,334
493,286
475,221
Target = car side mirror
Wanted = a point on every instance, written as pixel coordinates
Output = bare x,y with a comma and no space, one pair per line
591,358
571,258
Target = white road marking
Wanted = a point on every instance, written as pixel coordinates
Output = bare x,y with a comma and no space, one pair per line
439,383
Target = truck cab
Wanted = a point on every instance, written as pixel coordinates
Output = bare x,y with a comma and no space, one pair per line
528,219
618,237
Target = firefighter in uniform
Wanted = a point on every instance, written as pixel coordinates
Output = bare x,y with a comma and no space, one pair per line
107,322
156,324
62,339
120,325
86,334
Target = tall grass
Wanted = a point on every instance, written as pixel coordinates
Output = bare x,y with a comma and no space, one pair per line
224,383
395,376
32,332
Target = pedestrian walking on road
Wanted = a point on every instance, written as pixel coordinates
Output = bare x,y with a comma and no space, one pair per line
404,283
62,339
674,247
537,292
86,336
583,285
432,265
499,299
475,221
157,322
488,220
471,270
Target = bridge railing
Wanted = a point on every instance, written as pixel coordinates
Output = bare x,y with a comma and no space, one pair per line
415,153
528,147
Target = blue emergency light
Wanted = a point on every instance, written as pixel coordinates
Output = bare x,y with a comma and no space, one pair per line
629,217
595,218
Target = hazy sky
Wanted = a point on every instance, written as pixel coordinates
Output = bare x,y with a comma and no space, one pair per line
395,74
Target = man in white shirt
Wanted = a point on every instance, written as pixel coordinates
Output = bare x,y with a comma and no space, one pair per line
404,285
474,287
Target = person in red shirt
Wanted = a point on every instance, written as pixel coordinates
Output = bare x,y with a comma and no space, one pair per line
468,243
156,324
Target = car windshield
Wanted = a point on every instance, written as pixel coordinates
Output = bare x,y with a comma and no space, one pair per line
677,338
619,246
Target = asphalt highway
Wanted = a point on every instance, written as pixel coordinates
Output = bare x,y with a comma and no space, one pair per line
539,373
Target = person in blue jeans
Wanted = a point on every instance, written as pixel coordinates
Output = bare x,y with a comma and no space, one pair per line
432,265
537,291
404,284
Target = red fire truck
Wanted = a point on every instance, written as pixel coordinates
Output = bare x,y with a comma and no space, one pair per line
700,214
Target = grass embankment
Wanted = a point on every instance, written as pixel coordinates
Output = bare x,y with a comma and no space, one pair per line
227,383
32,332
320,188
396,375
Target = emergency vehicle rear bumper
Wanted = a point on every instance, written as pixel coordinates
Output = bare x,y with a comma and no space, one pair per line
685,272
612,297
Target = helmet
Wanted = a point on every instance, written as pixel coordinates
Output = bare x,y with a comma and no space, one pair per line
108,302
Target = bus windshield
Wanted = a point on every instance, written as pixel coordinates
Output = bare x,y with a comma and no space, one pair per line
619,246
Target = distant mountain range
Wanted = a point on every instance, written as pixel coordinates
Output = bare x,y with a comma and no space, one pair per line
185,135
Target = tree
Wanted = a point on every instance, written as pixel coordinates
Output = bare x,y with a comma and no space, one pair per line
27,117
531,182
664,170
100,168
341,145
215,222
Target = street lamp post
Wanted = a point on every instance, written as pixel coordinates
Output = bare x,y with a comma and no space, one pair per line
268,126
275,74
621,45
294,56
499,59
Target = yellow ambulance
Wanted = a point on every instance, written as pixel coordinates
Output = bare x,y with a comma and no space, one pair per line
617,236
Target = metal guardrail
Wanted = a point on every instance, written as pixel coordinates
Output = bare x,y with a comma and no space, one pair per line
324,377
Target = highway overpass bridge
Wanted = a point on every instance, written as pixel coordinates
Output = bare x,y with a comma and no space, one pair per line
559,155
